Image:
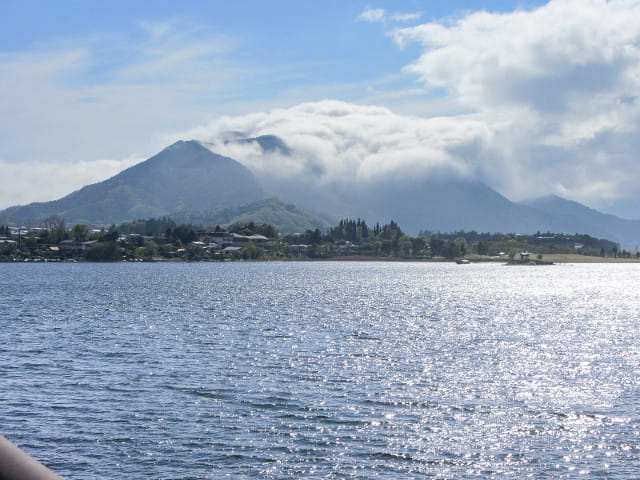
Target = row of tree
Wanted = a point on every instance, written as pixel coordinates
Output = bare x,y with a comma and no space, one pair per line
349,236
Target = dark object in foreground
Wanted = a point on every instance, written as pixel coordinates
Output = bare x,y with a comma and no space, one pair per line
18,465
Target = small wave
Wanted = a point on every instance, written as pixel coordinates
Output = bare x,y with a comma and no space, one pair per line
202,392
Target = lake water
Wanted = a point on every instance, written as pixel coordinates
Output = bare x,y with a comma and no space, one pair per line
322,370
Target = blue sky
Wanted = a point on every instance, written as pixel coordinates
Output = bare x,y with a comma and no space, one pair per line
543,86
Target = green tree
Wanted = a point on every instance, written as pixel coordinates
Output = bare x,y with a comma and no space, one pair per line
195,252
56,229
80,232
462,246
453,249
481,247
251,252
437,246
419,244
149,250
316,251
103,252
405,246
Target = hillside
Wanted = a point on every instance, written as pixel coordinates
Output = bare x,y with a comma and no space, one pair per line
192,184
183,177
575,217
449,204
286,217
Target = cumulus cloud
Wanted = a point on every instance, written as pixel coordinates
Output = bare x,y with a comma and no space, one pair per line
405,17
557,85
380,15
550,96
334,141
372,15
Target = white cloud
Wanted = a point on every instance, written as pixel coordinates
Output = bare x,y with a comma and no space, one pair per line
334,141
372,15
551,95
112,92
380,15
405,17
557,85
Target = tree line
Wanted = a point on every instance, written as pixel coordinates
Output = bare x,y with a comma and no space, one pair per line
163,238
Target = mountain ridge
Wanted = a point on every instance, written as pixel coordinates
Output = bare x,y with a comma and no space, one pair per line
187,180
286,217
580,218
185,175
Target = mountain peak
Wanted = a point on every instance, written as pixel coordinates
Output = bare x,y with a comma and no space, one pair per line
185,145
184,176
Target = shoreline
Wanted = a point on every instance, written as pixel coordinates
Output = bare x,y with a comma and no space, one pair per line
548,259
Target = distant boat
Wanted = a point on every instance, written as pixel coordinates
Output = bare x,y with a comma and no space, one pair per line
463,261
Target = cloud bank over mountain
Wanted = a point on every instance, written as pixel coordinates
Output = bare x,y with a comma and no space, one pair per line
558,85
531,101
333,141
549,99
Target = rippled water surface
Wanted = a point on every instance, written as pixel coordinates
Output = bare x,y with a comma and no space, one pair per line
322,370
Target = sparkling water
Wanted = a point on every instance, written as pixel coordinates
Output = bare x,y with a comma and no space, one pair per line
322,370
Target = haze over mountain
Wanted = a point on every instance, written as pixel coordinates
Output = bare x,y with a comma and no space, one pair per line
191,183
575,217
530,98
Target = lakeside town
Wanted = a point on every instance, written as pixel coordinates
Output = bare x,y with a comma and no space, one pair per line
164,240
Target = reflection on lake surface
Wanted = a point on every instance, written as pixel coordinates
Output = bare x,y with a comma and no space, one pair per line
322,370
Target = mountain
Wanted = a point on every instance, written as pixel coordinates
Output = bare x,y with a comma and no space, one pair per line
286,217
574,217
437,203
268,143
191,184
444,204
183,177
449,204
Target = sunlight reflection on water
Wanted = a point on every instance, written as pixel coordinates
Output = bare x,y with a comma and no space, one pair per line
322,370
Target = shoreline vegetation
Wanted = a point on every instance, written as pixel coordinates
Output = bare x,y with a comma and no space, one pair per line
162,240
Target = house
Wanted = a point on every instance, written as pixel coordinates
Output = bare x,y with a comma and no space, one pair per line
73,247
234,251
70,247
261,241
12,243
136,239
238,240
88,245
221,238
302,248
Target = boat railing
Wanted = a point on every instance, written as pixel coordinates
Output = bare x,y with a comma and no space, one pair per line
15,464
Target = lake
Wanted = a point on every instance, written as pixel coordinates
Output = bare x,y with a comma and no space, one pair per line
322,369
